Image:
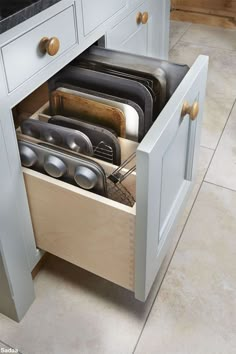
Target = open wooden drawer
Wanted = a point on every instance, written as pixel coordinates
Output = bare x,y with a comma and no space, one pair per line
122,244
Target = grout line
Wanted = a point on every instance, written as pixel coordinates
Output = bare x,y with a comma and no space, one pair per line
205,147
9,346
218,143
218,185
190,24
207,46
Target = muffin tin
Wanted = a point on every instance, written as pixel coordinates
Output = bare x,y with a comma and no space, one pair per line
76,170
106,146
68,138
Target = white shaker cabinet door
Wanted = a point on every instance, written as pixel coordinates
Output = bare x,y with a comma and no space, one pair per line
145,31
166,161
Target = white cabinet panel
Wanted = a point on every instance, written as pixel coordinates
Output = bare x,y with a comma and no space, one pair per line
97,12
140,38
166,160
29,57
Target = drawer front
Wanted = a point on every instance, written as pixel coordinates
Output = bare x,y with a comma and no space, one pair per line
166,161
140,32
97,12
85,229
129,36
30,58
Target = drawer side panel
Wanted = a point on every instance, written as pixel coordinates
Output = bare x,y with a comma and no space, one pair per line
86,232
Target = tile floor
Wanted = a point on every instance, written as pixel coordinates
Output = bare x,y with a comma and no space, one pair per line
194,311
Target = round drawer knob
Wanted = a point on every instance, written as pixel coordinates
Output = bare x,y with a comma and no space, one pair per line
139,18
192,111
28,156
85,178
145,17
54,166
49,45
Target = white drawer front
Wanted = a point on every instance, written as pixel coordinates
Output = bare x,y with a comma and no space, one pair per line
97,12
29,57
166,162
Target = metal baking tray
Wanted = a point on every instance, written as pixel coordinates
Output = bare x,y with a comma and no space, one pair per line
71,105
156,87
128,106
131,115
168,73
76,170
105,143
57,135
108,84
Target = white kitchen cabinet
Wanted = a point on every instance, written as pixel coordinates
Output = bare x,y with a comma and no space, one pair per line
127,246
141,32
96,13
30,57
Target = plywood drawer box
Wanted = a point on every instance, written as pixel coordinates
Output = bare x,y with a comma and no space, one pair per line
122,244
32,54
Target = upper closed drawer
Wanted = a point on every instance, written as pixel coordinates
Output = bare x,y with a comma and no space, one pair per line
26,55
96,12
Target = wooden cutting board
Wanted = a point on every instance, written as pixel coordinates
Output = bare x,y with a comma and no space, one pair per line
69,105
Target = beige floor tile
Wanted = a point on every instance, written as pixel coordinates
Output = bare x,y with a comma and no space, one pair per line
78,313
3,346
223,167
177,29
216,113
195,311
222,67
221,88
211,36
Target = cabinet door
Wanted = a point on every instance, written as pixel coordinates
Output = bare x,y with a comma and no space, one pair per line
97,12
141,38
166,161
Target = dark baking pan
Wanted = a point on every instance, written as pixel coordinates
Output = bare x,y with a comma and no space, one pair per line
76,170
105,142
95,94
69,104
60,136
156,87
130,114
108,84
161,69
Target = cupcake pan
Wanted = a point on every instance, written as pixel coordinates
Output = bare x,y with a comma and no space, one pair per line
60,136
76,170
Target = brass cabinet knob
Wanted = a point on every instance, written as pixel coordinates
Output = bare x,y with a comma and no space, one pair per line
192,111
50,46
139,18
145,17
